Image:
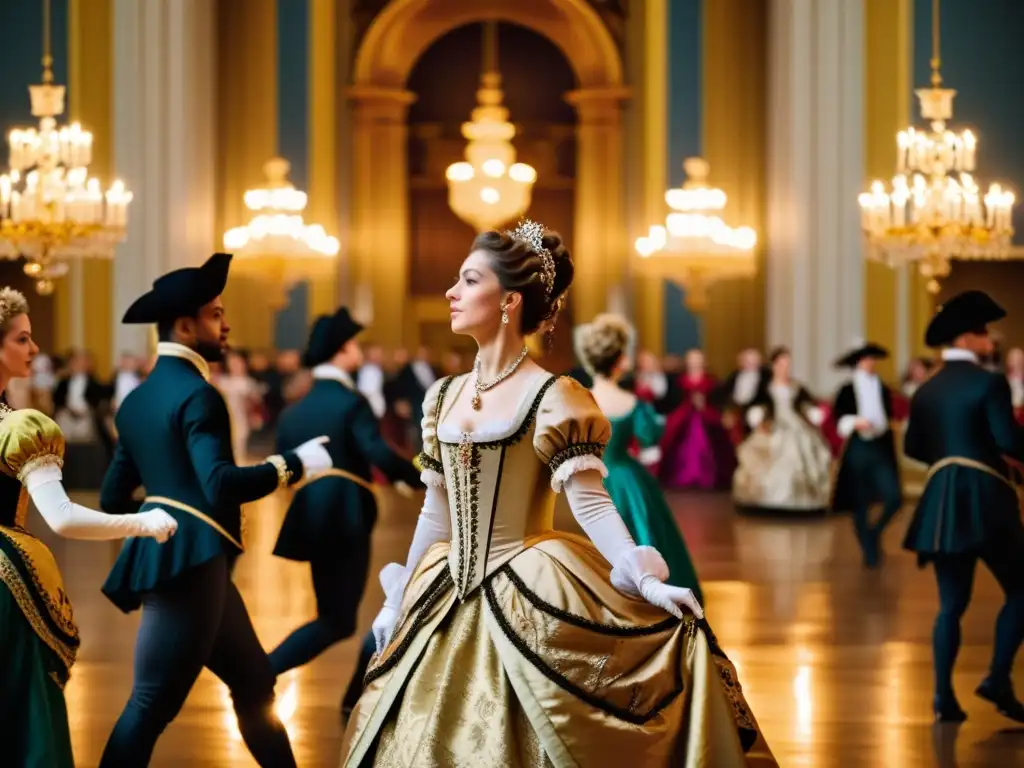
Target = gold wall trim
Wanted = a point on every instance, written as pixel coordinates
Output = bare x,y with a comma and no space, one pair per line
323,150
246,139
887,93
649,290
90,101
734,116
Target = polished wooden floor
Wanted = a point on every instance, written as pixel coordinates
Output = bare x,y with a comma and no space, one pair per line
835,660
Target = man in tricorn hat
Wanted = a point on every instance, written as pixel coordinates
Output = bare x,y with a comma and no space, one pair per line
175,440
868,471
331,517
962,426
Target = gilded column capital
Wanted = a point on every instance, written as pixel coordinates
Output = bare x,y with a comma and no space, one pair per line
379,104
598,105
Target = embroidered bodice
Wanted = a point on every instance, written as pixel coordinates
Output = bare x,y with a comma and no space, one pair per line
783,396
501,480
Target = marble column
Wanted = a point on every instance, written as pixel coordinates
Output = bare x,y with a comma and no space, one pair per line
164,139
601,247
815,268
379,247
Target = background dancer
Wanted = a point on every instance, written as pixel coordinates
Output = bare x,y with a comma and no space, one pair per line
962,427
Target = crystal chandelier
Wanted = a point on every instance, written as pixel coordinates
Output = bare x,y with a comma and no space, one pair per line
489,188
695,246
277,227
51,210
935,211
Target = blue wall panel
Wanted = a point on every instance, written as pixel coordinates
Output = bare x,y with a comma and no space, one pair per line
21,60
292,142
982,60
682,327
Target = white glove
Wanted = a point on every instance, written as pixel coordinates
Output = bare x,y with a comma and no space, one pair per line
156,524
393,578
314,456
383,626
670,598
637,571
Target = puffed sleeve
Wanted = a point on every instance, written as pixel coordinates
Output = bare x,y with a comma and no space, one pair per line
429,459
29,439
571,431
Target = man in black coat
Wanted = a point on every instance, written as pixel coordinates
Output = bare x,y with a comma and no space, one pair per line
868,470
175,441
962,426
331,517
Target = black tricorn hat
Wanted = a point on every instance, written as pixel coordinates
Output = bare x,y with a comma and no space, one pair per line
860,351
181,293
966,312
329,334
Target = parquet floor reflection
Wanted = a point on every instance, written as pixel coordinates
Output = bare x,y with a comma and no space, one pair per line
835,660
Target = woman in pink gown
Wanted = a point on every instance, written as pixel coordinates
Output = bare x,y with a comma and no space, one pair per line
696,451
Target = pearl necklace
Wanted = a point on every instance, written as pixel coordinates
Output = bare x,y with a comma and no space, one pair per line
481,387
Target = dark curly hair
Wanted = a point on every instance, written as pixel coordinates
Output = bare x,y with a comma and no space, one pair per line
518,268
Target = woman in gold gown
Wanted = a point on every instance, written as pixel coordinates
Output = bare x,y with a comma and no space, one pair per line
503,642
38,637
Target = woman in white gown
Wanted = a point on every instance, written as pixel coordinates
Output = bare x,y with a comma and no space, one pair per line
502,641
785,465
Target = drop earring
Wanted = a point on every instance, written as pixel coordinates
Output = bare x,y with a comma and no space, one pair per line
504,315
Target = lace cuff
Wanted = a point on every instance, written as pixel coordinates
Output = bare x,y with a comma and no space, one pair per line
563,469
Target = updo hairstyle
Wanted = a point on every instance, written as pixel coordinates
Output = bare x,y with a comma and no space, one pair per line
519,268
12,304
601,344
777,352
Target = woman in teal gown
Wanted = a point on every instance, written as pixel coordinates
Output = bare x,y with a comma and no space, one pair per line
38,637
604,349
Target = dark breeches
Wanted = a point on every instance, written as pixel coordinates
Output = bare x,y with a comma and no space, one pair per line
339,578
1003,556
198,620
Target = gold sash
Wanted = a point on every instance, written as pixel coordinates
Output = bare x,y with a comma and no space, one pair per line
163,501
334,472
963,461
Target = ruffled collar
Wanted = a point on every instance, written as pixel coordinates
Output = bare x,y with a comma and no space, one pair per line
180,351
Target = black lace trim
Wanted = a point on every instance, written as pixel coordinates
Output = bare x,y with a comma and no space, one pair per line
441,583
570,687
579,621
460,534
527,422
429,462
733,690
573,451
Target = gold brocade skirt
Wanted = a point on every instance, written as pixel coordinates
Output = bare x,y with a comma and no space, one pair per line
547,664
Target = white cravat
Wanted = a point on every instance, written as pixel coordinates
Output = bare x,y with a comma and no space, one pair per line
1016,389
745,388
955,353
333,373
868,389
370,382
76,393
424,373
125,383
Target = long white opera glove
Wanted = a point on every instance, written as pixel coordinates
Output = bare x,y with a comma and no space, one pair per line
73,521
638,571
314,456
433,525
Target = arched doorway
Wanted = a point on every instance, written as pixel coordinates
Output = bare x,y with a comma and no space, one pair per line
380,230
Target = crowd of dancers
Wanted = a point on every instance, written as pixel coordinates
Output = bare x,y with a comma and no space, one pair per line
501,641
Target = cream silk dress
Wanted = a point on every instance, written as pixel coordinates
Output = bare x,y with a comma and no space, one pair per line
512,647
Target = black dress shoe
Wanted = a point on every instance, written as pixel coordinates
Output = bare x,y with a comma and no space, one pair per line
1001,694
948,711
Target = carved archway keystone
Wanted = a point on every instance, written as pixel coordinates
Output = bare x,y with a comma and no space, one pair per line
394,42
